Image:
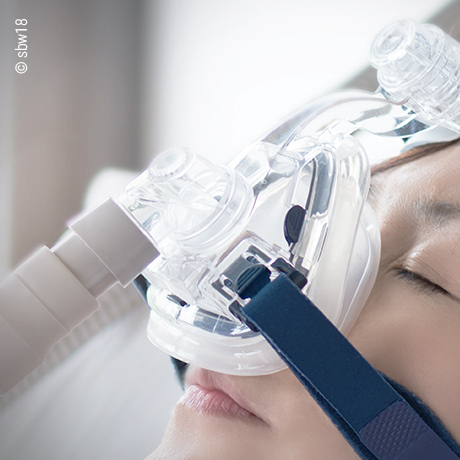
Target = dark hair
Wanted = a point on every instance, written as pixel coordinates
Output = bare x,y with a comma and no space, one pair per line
413,154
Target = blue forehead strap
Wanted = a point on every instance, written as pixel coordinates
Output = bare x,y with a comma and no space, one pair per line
379,418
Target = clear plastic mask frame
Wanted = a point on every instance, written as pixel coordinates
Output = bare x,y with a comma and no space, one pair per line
293,202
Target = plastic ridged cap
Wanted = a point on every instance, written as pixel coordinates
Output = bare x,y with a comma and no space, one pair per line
419,65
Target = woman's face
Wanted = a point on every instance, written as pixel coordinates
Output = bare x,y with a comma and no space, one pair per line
409,329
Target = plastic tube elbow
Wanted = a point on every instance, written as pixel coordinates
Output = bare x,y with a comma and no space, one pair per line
56,289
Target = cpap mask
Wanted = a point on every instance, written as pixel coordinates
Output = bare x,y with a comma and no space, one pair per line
293,202
208,238
285,205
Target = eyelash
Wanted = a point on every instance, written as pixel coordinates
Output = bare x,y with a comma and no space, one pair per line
424,284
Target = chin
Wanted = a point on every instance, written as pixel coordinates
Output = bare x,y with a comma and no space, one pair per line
193,435
213,435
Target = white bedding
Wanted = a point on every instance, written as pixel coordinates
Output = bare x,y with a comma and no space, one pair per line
110,399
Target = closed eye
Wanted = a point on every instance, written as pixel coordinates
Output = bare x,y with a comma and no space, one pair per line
424,284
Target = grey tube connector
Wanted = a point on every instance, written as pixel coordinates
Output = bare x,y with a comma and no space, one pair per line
56,289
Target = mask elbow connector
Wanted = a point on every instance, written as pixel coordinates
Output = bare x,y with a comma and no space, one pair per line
56,289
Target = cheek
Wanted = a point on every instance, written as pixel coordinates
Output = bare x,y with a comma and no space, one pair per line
383,334
416,342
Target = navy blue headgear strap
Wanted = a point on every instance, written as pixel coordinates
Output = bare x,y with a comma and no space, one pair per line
375,418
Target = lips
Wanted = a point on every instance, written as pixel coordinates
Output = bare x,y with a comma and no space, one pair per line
215,394
213,402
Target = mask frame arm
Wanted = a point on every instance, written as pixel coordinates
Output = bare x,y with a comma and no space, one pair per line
287,129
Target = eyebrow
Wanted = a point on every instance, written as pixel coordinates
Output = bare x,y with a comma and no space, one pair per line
438,212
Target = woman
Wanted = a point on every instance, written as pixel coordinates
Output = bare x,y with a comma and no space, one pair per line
408,329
